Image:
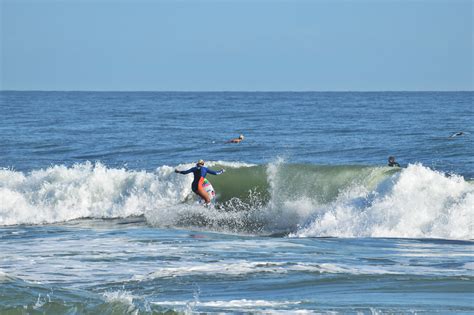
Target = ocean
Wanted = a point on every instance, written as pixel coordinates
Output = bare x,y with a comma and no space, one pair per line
309,218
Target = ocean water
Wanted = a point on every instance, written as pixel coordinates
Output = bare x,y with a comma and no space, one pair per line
308,219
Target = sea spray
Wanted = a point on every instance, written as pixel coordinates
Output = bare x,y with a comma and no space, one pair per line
289,204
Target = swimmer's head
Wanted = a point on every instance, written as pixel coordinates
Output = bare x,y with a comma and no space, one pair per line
200,163
241,137
391,159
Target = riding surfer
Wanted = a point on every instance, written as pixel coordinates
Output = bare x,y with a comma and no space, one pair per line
200,172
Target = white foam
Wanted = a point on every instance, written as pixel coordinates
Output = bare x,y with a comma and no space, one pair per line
232,304
4,277
416,203
62,193
40,302
120,296
247,303
240,268
225,268
469,266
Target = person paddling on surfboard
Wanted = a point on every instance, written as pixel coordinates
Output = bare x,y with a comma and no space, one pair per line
236,140
200,172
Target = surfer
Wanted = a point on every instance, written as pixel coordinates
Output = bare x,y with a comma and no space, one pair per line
236,140
200,172
392,162
457,134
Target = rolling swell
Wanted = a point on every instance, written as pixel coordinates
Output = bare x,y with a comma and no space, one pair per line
302,200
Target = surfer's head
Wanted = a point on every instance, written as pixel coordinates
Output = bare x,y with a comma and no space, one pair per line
200,163
241,137
391,159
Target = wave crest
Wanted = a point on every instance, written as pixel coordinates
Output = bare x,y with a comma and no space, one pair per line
302,200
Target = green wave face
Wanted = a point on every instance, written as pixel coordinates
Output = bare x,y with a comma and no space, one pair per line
280,182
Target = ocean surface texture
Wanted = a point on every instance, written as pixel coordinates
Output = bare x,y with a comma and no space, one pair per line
309,218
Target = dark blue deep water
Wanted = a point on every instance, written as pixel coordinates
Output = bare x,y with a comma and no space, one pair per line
147,129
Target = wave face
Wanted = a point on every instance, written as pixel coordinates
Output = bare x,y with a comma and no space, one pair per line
299,200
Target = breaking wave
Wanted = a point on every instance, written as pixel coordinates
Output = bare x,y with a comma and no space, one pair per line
277,198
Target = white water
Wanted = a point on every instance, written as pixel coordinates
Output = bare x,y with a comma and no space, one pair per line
416,202
85,190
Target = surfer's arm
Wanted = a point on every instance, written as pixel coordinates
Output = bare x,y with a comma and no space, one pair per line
215,172
185,172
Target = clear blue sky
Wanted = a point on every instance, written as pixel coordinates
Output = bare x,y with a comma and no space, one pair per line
228,45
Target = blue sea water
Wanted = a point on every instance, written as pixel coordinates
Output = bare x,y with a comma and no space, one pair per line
308,217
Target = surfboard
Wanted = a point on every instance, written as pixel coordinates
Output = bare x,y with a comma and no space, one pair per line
210,191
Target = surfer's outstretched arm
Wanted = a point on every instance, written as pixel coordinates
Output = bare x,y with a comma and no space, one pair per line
215,172
192,169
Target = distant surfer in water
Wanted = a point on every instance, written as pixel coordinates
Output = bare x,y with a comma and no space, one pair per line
392,162
459,133
236,140
200,172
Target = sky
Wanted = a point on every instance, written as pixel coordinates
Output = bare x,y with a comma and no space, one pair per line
259,45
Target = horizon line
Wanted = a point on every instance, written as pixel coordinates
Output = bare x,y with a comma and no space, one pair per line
240,91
